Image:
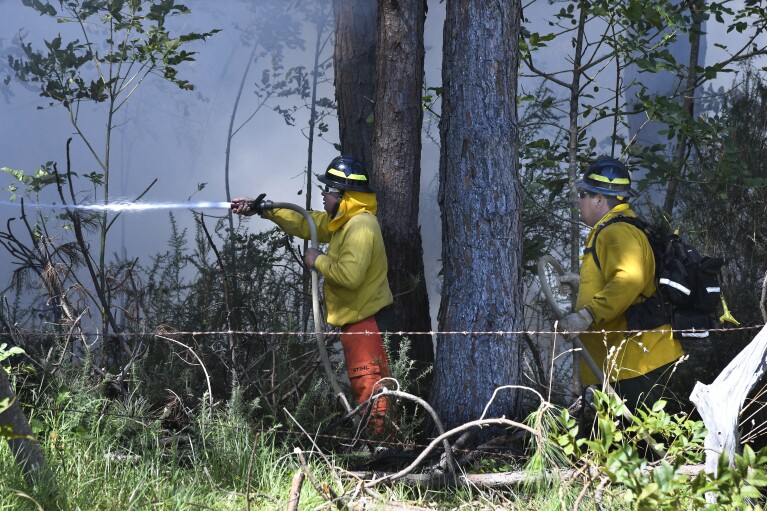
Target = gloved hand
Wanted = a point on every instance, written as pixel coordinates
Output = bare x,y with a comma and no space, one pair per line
573,280
572,324
311,256
249,207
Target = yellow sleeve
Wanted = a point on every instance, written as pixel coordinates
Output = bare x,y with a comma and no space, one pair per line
294,223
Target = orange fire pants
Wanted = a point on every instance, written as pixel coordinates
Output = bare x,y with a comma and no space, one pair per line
366,363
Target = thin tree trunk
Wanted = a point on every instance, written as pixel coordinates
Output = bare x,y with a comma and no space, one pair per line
480,201
320,41
230,135
688,104
397,164
573,174
572,144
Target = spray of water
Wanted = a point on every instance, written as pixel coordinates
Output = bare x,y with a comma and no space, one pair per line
116,207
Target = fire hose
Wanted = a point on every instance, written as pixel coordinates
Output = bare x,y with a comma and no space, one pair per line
546,288
543,264
318,321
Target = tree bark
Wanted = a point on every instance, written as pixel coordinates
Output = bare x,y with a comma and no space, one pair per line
479,197
354,63
397,163
21,440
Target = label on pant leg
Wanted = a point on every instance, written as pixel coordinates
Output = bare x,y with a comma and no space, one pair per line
363,349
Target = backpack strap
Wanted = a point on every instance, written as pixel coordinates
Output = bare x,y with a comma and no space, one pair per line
636,222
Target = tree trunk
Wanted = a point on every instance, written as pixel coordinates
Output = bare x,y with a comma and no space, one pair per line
573,173
573,132
688,103
320,23
479,197
354,63
397,163
21,440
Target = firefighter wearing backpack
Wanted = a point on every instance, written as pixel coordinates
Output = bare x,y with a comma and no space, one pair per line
356,288
616,272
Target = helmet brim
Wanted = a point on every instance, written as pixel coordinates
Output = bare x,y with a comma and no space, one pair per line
583,185
343,186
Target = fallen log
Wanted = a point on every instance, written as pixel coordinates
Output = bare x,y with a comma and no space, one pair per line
495,480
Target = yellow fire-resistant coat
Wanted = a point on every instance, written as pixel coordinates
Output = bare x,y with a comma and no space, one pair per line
355,265
627,277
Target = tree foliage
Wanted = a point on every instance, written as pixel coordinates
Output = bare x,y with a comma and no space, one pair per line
727,173
105,66
593,94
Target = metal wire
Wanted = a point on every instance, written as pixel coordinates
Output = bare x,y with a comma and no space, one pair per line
301,333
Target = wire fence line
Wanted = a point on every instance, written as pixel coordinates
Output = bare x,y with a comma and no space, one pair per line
309,333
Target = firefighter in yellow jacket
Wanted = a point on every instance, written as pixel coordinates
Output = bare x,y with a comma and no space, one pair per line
617,272
356,288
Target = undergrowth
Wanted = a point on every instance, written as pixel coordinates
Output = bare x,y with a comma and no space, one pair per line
119,454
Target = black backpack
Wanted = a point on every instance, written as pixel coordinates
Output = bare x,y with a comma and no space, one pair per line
688,291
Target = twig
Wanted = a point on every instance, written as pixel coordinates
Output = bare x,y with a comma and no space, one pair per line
207,376
511,387
327,461
250,472
599,492
325,490
581,494
72,327
232,338
763,299
449,458
464,427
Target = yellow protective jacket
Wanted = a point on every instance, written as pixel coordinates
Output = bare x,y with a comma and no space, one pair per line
355,265
626,277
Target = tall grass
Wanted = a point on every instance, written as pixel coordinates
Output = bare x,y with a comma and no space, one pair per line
124,454
118,455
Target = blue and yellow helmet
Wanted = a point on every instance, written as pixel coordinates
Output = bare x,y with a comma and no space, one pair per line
346,173
607,176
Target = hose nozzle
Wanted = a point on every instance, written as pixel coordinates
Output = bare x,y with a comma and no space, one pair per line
259,206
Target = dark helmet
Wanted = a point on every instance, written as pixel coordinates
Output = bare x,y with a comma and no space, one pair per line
607,176
346,173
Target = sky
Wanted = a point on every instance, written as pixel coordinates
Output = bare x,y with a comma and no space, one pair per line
179,137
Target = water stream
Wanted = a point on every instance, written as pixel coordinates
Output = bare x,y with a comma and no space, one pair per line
116,207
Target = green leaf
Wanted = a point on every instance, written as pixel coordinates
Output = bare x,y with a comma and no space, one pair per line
96,178
6,352
4,405
18,174
750,492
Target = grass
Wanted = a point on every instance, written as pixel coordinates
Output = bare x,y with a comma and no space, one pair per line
112,455
120,465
